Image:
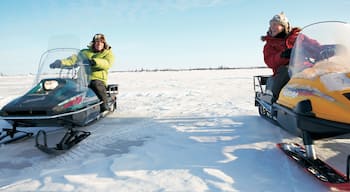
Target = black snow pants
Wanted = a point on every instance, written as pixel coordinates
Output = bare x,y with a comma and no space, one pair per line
101,91
278,81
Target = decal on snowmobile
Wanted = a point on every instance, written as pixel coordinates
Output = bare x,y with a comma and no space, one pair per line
290,92
72,102
293,91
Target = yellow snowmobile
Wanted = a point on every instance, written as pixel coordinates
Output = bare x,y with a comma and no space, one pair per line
315,103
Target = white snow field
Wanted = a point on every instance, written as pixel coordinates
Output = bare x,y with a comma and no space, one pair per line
177,131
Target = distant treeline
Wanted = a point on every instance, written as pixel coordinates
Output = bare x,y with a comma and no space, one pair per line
190,69
155,70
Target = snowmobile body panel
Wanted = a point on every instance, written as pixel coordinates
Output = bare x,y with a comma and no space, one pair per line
47,107
326,104
79,117
296,123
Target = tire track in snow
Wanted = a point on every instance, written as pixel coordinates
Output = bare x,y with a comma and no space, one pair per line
108,139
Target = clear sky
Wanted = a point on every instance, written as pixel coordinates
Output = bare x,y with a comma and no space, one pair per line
152,34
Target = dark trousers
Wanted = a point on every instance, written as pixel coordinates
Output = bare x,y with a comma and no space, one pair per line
100,90
278,81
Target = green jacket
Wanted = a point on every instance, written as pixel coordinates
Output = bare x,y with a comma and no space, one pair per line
103,60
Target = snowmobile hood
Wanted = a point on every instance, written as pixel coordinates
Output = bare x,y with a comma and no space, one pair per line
45,98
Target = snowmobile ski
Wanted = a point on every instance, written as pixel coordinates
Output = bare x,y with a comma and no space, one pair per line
330,177
70,139
13,135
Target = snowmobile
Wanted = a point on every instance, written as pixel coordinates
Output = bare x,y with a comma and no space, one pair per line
315,103
59,97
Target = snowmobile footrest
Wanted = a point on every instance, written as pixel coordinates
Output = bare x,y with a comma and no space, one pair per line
70,138
12,135
316,167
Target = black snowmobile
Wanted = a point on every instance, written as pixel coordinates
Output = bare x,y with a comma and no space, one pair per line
60,97
315,103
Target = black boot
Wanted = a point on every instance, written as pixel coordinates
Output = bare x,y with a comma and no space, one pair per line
104,107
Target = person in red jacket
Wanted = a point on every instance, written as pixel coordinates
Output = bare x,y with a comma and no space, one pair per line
280,39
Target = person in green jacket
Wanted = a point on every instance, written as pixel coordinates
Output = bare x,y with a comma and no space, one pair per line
100,57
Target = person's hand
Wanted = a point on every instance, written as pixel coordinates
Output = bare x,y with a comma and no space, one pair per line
327,51
286,53
56,64
92,62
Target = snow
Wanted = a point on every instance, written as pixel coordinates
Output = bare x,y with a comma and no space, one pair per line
173,131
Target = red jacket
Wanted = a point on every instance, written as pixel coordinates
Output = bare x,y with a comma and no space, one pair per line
275,46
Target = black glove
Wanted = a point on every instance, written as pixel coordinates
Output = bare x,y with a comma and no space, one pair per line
92,62
56,64
327,51
286,53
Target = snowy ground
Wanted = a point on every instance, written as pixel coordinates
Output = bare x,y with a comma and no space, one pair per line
173,131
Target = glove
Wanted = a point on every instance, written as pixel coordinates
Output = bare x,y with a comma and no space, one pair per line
327,51
56,64
92,62
286,53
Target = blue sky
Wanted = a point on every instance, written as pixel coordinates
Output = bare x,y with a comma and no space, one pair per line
152,34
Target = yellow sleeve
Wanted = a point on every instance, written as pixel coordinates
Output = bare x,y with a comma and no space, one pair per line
70,60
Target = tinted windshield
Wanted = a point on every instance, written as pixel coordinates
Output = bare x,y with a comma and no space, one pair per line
78,71
320,49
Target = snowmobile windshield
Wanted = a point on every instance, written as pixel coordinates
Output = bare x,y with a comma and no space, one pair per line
69,65
322,50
